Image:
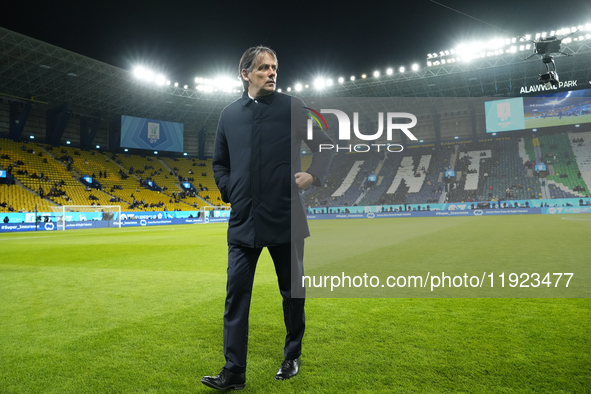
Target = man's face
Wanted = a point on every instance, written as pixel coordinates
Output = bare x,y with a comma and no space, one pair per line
263,77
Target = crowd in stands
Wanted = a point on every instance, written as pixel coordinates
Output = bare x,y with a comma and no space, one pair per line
501,174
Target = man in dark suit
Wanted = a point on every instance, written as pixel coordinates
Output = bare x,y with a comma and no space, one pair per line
257,167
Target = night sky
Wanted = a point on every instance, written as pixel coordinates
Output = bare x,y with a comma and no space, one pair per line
186,39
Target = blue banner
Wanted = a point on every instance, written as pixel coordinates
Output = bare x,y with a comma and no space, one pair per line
419,214
142,133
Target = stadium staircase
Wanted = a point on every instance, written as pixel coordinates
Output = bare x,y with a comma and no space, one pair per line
545,189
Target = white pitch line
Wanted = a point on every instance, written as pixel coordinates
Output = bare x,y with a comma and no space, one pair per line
71,235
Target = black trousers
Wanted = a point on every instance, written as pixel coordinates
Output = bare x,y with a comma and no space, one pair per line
242,263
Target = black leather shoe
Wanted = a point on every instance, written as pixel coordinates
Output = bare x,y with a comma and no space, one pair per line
289,369
226,380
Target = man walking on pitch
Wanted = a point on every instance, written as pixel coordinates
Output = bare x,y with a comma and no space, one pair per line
257,167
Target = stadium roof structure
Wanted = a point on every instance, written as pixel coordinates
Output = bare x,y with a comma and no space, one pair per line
31,70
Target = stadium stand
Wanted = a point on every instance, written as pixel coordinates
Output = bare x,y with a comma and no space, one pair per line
200,174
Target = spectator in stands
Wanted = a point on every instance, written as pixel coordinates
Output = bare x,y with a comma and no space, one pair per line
6,220
41,192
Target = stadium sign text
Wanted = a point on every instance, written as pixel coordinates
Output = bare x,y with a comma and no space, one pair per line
541,88
345,130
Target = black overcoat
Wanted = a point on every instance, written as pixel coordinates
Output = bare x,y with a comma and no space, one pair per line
257,152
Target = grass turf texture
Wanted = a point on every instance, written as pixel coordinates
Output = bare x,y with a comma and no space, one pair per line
139,310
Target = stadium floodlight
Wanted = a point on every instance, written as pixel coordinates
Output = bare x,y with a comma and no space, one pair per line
341,79
279,90
125,150
155,152
98,147
168,82
389,71
160,79
415,67
363,76
352,77
138,72
401,69
456,137
289,89
319,83
148,75
176,84
186,86
298,87
306,86
68,142
376,74
329,82
32,137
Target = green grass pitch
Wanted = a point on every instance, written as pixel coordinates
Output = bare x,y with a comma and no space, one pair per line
556,121
139,310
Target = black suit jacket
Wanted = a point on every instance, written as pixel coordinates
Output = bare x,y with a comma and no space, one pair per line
256,154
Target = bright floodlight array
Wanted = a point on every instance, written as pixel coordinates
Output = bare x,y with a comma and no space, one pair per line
220,84
462,53
150,76
499,46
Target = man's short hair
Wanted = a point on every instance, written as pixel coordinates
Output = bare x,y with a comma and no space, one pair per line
248,61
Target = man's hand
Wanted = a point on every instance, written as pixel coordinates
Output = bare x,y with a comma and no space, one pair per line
303,180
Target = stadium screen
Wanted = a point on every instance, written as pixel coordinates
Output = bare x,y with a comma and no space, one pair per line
88,179
372,178
450,173
554,109
187,185
150,183
142,133
504,115
2,174
540,167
